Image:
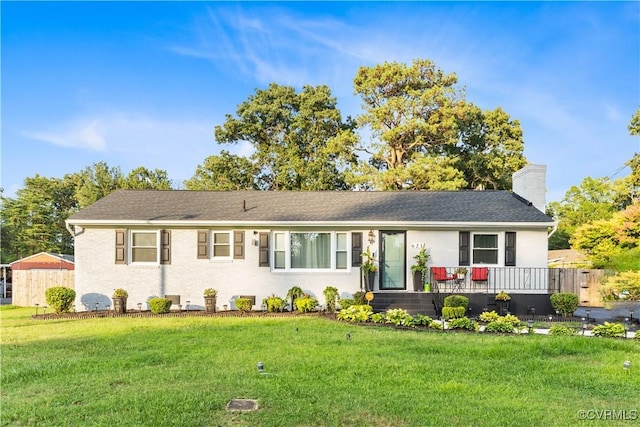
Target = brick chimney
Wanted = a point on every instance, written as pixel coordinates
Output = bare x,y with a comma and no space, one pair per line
530,183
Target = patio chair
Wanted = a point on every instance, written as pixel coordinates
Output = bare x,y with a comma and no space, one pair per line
439,275
480,275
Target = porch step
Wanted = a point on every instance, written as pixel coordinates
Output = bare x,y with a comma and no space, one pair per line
413,302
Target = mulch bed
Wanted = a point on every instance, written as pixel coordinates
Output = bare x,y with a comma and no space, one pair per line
183,313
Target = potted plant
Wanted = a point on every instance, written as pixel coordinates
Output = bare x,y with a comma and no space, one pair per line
503,298
119,299
461,272
420,269
210,296
368,269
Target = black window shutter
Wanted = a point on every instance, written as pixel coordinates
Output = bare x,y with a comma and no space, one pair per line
510,248
121,246
264,250
238,244
203,244
356,249
165,247
464,247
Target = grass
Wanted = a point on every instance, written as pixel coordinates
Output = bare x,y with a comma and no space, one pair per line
183,371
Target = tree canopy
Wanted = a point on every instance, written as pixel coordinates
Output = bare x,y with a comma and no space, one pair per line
299,139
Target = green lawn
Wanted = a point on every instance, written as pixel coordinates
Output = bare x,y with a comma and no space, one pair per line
183,370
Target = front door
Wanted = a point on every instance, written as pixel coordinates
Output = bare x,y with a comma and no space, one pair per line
392,261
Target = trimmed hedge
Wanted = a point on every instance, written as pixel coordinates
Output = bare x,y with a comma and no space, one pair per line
60,298
160,305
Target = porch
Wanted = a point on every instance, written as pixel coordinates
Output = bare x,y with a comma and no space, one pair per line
529,289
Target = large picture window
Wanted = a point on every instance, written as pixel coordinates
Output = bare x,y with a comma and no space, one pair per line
310,250
144,246
485,248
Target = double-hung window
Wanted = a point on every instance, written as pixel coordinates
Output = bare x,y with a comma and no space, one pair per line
144,247
295,250
221,245
485,248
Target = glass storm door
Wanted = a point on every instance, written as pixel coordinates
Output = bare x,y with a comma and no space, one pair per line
392,270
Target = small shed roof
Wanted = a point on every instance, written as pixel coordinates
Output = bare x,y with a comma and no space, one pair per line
45,261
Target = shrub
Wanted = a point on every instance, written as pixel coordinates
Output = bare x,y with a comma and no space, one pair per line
456,301
500,327
610,330
120,293
564,302
294,293
453,312
356,313
274,303
380,318
359,298
435,325
422,320
330,296
399,317
510,318
624,286
306,303
60,298
159,305
243,304
464,323
346,302
562,330
489,316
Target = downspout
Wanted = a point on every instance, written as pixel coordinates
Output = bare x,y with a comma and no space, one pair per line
69,229
555,228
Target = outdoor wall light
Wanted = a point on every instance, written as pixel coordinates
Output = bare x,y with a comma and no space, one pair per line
584,325
588,313
372,237
626,326
631,316
226,307
97,306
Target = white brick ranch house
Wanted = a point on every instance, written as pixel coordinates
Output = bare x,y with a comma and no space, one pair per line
157,243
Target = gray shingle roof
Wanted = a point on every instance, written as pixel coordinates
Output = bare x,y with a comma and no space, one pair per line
312,206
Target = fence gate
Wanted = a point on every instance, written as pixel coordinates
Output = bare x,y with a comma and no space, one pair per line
579,281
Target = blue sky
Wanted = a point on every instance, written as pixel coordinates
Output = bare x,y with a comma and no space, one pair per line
144,83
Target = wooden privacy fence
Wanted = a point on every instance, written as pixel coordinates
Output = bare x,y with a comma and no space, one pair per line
29,286
579,281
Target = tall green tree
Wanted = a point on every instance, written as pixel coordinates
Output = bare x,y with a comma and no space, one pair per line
299,139
592,200
34,221
410,111
142,178
224,172
490,148
95,182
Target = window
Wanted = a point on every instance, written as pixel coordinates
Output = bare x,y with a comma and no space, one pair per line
221,244
485,248
341,251
279,251
144,246
310,250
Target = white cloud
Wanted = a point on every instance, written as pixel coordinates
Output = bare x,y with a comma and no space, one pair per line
83,134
